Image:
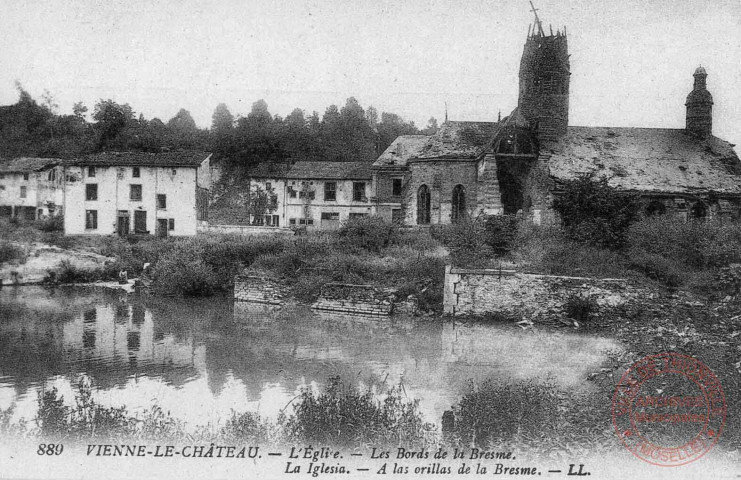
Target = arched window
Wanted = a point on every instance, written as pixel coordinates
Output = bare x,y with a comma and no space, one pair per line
655,207
458,212
423,205
699,211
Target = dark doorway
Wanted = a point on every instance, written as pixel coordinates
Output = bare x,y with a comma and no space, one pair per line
161,227
123,223
140,221
423,205
699,211
458,212
655,207
512,174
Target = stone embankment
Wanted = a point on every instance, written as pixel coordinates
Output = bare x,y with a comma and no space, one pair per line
530,296
260,287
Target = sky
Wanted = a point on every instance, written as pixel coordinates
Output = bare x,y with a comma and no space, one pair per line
631,60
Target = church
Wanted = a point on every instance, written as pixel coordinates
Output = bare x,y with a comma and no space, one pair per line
518,164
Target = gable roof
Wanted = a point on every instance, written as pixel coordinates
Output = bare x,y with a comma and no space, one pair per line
269,170
647,159
458,140
331,170
27,164
401,150
144,159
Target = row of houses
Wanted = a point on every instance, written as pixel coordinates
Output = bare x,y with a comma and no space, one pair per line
111,193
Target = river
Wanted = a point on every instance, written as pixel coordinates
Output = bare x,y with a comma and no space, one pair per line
200,359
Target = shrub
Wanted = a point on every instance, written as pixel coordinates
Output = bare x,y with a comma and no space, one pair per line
656,267
696,244
51,224
342,416
467,243
580,308
69,273
10,252
496,413
728,279
182,271
500,231
51,417
248,428
595,213
371,233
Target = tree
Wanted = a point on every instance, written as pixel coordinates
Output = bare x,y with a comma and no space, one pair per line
79,110
392,126
222,120
259,115
111,121
593,212
182,122
431,127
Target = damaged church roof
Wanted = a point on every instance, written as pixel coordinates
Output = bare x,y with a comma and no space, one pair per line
458,140
653,160
26,164
401,150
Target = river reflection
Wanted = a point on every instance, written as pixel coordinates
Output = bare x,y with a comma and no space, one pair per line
200,359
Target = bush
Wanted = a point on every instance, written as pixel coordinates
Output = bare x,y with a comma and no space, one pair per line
496,413
10,252
70,273
467,243
696,244
51,224
595,213
342,416
182,271
580,308
728,279
247,428
500,231
370,233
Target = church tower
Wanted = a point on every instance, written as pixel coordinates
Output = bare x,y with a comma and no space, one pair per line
700,107
544,81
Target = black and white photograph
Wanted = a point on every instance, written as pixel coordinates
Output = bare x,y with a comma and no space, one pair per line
365,239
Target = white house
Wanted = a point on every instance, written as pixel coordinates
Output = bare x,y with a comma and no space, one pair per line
270,178
325,194
136,193
30,188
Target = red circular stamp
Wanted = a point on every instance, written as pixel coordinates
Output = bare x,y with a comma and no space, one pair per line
669,409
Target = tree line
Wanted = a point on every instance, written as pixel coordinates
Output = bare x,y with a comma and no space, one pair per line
34,127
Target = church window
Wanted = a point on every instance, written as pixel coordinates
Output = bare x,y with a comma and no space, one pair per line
458,213
423,205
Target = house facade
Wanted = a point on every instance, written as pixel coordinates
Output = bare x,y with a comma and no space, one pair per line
31,188
136,193
326,194
268,195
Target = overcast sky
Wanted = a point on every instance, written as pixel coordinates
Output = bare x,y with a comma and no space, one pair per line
631,60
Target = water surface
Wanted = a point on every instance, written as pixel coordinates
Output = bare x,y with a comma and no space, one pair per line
201,359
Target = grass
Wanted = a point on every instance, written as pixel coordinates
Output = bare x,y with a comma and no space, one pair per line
340,416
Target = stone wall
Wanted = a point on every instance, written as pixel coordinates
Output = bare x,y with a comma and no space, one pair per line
531,296
259,289
247,230
363,300
441,177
